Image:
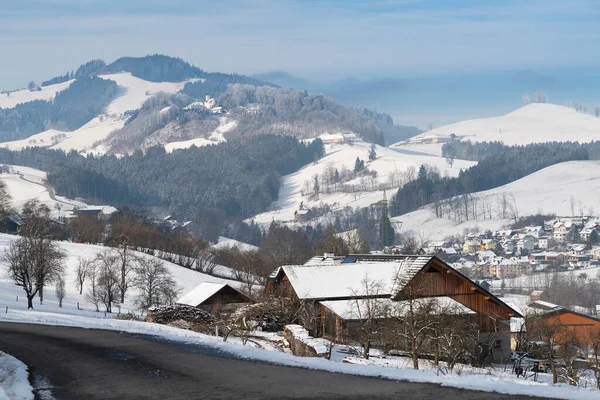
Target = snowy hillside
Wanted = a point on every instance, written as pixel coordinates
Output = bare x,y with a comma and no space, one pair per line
11,99
187,279
391,167
563,189
134,92
533,123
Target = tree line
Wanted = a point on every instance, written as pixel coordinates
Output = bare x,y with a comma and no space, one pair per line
495,170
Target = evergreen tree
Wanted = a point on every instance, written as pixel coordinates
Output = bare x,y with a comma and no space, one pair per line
372,152
358,165
316,187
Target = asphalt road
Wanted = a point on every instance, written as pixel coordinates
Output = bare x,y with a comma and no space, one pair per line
76,363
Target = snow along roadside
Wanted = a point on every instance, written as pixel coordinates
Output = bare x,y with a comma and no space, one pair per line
488,383
14,379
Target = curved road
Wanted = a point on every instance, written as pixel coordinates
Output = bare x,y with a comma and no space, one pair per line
76,363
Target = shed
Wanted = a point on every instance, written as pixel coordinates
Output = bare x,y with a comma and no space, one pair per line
214,297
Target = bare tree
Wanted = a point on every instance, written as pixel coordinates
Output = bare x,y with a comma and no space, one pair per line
569,350
60,290
415,323
540,97
33,263
526,99
92,274
126,260
368,308
82,271
205,260
597,111
108,282
594,339
154,282
547,330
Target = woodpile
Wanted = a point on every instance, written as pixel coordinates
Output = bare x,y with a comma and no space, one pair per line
168,314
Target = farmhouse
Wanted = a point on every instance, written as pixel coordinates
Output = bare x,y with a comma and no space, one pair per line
302,215
339,287
215,297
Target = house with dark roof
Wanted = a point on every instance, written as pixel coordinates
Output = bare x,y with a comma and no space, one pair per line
339,284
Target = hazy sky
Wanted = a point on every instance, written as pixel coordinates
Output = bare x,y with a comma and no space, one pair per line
43,38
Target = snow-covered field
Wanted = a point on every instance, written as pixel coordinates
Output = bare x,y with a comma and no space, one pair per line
224,242
134,92
217,136
533,123
548,191
389,162
14,381
13,297
24,184
10,100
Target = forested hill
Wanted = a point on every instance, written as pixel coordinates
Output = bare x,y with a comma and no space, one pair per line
229,181
497,169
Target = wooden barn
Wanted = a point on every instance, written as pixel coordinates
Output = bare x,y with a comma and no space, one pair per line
585,327
338,285
215,297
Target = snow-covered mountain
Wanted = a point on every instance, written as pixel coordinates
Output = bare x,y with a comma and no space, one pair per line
533,123
566,189
158,100
133,93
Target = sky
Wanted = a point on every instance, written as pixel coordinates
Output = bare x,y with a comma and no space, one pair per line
316,39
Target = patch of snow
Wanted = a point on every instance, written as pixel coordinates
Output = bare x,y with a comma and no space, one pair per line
25,95
217,136
14,379
224,242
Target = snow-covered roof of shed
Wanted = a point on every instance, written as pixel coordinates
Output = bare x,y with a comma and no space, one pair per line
201,293
350,310
327,280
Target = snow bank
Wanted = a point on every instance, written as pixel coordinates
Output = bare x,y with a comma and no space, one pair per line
14,379
488,383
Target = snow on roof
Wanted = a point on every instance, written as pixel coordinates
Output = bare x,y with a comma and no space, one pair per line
449,250
544,305
201,293
328,281
358,309
537,293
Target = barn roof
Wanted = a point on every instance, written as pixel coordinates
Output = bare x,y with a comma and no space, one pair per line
356,309
204,291
347,280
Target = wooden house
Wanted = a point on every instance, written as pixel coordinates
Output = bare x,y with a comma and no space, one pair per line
215,297
302,215
585,327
